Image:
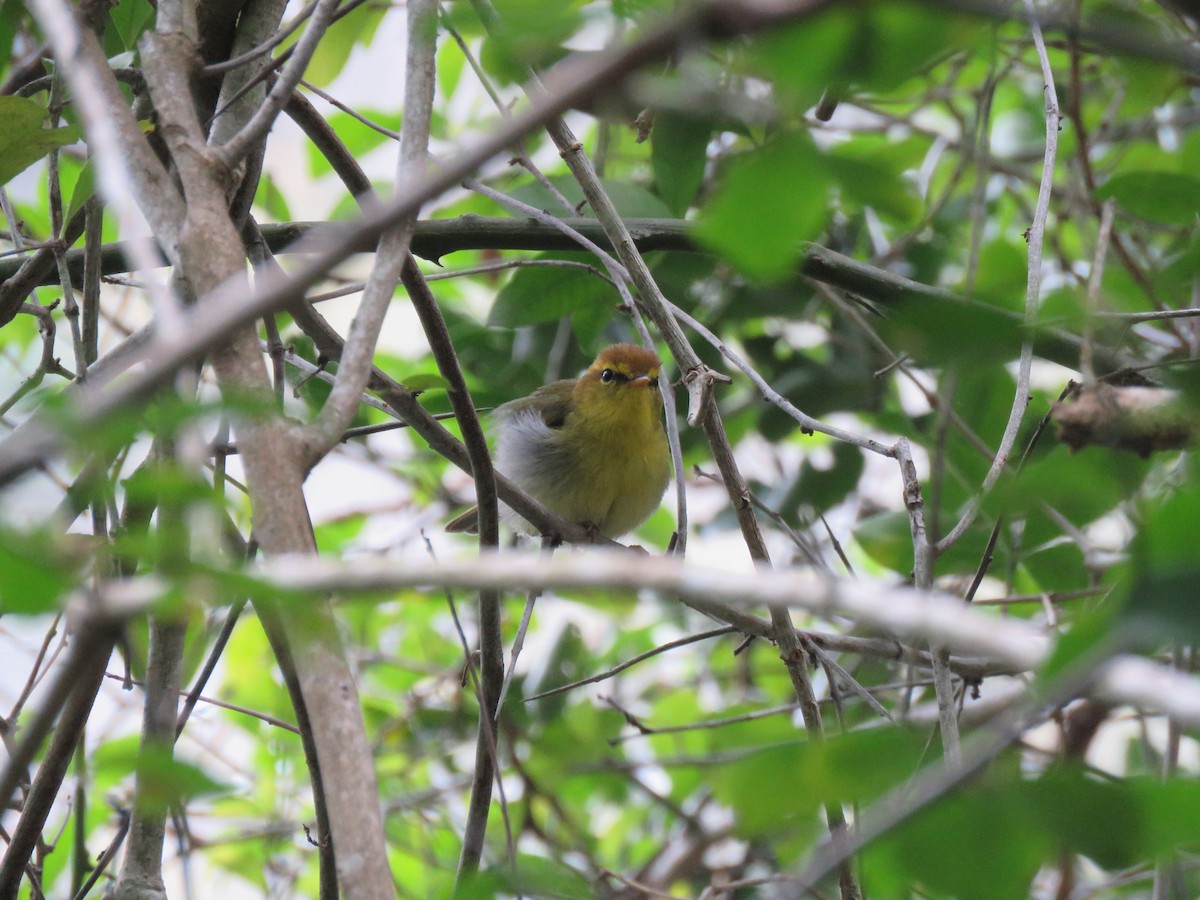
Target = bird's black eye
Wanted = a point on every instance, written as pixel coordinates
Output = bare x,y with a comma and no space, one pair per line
607,375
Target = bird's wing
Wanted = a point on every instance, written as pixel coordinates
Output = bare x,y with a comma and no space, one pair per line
552,402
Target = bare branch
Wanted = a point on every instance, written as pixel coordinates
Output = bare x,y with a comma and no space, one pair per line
355,363
234,150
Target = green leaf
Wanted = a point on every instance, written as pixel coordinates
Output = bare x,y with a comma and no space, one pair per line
1171,198
23,140
528,33
874,46
803,59
546,293
826,487
1002,273
1082,486
359,138
419,382
1080,812
942,849
1171,812
1167,540
991,390
894,40
679,153
535,876
1181,268
935,332
769,201
162,780
127,20
886,538
871,181
354,29
1089,638
271,200
563,663
855,767
1056,566
11,14
450,63
1167,565
85,187
589,323
34,573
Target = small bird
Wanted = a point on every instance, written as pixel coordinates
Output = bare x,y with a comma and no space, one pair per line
592,449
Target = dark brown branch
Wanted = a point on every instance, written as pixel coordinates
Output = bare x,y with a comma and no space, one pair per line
82,677
434,239
94,641
1141,419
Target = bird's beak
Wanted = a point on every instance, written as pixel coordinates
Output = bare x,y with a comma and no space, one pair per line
643,381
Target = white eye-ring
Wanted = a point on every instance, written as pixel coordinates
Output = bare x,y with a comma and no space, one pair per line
607,375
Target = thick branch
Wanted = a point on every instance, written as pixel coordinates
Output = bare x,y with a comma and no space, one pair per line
434,239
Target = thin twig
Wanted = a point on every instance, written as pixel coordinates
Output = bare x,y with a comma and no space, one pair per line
1095,279
1035,240
641,657
235,150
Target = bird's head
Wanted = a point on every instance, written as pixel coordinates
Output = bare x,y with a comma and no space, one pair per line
620,386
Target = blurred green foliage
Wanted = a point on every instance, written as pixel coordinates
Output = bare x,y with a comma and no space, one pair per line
928,170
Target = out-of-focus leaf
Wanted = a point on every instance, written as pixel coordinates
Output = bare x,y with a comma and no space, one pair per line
1172,198
35,570
1170,812
85,187
562,663
1082,486
631,9
162,780
339,41
336,534
1057,566
578,737
942,850
127,20
359,138
23,140
803,59
938,333
588,323
874,46
990,390
534,876
11,15
678,153
855,767
272,200
1174,278
450,63
768,202
528,33
1080,812
419,382
825,487
895,40
886,538
1001,274
547,293
1090,636
870,181
1164,555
